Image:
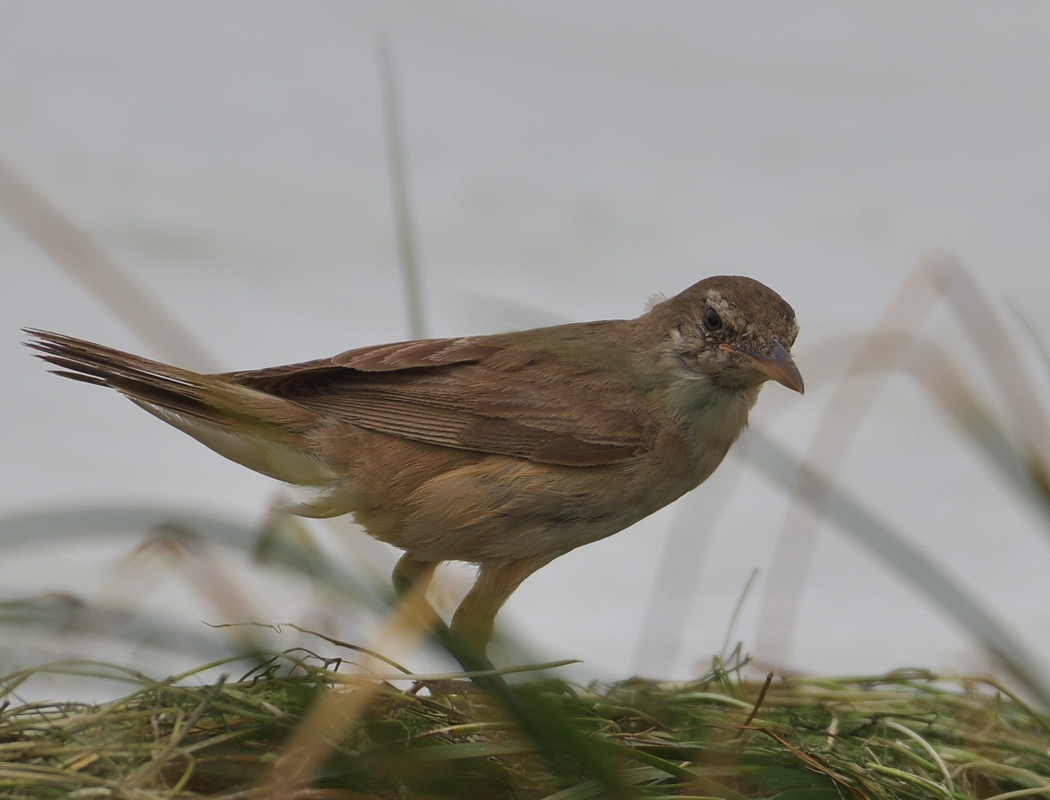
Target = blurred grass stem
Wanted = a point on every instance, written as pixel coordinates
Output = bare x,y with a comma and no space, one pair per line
404,230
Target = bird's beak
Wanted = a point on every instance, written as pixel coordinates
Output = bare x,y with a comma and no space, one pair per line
778,365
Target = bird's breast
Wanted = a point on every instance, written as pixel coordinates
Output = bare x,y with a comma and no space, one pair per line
706,421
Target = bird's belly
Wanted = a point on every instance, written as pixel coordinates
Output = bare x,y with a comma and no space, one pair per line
503,509
444,504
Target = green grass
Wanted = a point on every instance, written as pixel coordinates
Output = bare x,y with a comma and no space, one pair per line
902,735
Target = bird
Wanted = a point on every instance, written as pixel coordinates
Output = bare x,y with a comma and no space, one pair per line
505,451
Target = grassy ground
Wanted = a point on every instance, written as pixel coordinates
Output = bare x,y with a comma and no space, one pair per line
902,735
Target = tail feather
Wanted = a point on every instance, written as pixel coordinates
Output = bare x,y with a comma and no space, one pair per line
140,378
263,432
78,376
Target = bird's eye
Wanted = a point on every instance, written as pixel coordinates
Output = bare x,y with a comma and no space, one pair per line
712,321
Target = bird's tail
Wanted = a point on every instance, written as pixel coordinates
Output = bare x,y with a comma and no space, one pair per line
265,433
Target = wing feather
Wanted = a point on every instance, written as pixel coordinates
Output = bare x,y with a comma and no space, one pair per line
473,393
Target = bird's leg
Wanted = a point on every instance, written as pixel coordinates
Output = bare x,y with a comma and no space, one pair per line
411,579
473,622
409,572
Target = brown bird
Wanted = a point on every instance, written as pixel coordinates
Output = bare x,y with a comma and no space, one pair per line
506,451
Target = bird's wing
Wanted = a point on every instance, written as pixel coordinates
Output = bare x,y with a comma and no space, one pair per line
478,393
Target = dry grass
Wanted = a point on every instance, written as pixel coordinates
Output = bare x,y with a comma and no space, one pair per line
906,734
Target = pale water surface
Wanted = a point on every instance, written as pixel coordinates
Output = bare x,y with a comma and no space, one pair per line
565,161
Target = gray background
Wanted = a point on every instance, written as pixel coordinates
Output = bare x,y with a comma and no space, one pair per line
565,161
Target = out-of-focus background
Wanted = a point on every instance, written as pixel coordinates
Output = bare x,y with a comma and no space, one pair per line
563,162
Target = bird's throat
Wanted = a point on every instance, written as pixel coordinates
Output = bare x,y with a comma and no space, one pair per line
714,415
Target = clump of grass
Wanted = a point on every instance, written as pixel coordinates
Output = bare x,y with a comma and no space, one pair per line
906,734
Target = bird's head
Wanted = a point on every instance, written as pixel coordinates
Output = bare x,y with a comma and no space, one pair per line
734,333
